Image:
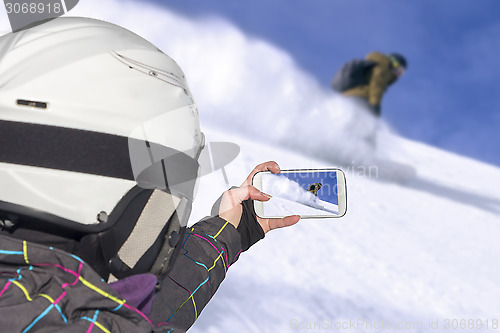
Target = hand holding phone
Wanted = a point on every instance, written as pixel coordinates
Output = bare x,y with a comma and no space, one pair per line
310,193
230,206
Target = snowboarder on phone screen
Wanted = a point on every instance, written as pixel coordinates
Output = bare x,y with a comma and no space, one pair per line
368,79
100,152
314,188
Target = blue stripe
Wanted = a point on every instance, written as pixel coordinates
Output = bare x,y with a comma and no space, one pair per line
199,286
77,258
117,308
185,240
38,318
93,319
210,236
192,295
62,315
11,252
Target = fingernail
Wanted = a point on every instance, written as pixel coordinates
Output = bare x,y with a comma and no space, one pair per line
267,195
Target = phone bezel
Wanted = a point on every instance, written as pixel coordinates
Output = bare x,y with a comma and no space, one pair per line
341,188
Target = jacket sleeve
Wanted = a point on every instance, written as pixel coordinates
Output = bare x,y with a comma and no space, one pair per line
208,249
380,79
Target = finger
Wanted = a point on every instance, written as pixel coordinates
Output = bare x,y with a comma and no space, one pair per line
266,166
283,222
235,197
249,192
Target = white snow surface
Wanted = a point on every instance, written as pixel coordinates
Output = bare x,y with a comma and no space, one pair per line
419,241
402,255
283,207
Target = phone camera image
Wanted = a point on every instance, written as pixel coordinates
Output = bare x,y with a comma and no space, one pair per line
311,193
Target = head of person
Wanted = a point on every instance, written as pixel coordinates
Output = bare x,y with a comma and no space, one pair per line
398,63
99,135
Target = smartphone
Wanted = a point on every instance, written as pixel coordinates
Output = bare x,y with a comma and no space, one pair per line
310,193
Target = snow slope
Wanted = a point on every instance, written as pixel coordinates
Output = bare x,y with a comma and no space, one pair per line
419,241
403,255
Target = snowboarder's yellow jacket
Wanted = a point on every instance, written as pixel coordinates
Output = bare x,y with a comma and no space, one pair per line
381,77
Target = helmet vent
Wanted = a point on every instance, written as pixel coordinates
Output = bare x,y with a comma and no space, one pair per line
157,73
33,104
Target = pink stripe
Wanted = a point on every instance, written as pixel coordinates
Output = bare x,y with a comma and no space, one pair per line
227,265
77,275
77,278
60,267
208,242
139,312
236,256
90,327
209,291
5,288
59,298
227,260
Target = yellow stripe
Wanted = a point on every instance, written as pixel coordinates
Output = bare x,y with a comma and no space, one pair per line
215,262
195,312
100,291
221,229
25,251
24,290
47,297
194,304
223,263
104,329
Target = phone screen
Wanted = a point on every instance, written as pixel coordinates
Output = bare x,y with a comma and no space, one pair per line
308,193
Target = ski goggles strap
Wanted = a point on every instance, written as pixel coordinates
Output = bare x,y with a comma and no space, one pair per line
145,233
172,239
98,153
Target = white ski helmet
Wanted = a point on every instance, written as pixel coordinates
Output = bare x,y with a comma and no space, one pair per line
99,133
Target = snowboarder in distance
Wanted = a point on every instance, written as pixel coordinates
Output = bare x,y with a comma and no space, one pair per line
368,79
314,188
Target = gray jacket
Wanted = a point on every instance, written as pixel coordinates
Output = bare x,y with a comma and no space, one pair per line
43,289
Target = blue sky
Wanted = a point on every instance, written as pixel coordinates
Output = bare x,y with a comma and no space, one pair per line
327,179
449,96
